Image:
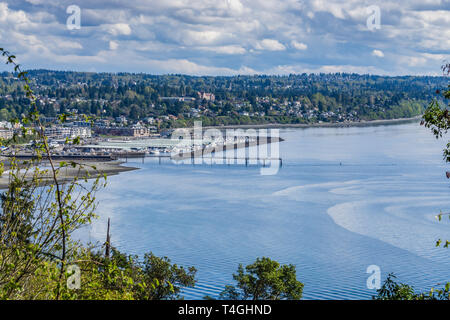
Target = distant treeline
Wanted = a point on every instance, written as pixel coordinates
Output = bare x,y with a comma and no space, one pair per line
301,98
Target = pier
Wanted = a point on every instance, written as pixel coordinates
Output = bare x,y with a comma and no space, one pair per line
224,159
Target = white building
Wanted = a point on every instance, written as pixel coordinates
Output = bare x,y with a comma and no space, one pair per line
67,132
82,132
6,133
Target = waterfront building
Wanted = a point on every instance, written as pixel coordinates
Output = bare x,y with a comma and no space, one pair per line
6,133
59,132
82,132
134,131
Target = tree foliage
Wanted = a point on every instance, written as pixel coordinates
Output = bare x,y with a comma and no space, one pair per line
265,279
137,96
40,211
437,116
393,290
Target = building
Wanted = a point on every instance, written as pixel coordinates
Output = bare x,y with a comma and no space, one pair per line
82,132
5,125
207,96
58,132
135,131
81,124
181,99
102,123
121,119
150,120
6,133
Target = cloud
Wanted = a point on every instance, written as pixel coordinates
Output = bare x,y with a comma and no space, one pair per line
378,53
299,45
235,6
191,37
229,36
335,9
226,49
270,44
113,45
118,29
16,18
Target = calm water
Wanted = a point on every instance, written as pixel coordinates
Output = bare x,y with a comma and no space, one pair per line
345,198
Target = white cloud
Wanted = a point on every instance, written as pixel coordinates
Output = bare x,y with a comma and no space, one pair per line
435,16
35,1
433,56
299,45
17,19
270,45
118,29
378,53
336,9
235,6
191,37
113,45
413,61
229,36
423,60
68,44
225,49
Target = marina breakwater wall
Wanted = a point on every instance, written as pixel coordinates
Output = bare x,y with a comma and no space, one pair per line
226,147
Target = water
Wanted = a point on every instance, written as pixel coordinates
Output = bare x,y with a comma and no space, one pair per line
345,198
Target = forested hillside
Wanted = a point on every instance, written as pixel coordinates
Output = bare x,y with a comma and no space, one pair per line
235,100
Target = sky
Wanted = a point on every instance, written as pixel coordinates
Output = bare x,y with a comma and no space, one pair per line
228,37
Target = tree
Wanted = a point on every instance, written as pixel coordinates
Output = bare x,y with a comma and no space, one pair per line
167,278
437,117
40,211
264,279
391,290
126,277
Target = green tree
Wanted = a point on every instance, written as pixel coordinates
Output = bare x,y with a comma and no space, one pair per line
391,290
437,117
40,211
127,277
168,279
265,279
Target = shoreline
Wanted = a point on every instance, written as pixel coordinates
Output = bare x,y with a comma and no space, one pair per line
320,125
115,167
110,168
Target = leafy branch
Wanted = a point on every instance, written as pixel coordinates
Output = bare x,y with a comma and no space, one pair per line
27,205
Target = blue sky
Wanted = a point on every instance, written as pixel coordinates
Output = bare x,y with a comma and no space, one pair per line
228,37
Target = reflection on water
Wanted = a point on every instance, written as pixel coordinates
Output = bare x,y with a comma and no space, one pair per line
345,198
